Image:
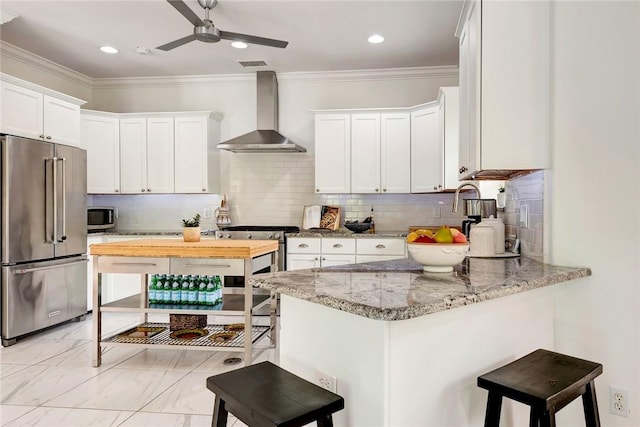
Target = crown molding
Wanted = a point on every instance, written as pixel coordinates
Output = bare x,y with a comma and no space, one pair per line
371,75
196,80
20,55
43,64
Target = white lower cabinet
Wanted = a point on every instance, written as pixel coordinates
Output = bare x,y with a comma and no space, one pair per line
315,252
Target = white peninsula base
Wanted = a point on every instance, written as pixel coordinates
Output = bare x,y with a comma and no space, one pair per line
416,372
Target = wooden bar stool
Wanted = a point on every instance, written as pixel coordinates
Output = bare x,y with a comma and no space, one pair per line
547,382
266,395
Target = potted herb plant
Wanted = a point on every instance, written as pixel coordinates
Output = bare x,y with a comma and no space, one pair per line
191,230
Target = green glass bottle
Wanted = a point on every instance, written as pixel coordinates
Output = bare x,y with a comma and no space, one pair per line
153,289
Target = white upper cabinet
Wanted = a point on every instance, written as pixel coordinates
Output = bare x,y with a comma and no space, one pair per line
395,152
426,150
504,87
362,152
365,153
333,152
449,133
147,155
101,139
32,111
197,160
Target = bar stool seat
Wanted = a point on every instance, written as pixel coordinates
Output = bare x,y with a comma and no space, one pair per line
547,382
266,395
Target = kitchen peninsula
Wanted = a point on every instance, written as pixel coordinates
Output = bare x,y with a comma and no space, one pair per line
173,256
406,346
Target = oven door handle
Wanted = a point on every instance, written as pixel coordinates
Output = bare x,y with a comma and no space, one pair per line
208,265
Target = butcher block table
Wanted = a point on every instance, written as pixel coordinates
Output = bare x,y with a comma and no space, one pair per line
175,257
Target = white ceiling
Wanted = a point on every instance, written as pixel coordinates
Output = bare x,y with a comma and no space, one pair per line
323,35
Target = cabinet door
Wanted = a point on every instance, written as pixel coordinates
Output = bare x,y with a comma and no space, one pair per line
300,262
365,153
395,152
474,85
426,151
61,121
191,155
133,155
160,159
21,111
100,137
333,153
332,260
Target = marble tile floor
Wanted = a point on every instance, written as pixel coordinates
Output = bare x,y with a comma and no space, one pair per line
47,380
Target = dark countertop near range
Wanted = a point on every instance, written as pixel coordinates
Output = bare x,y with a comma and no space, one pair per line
399,289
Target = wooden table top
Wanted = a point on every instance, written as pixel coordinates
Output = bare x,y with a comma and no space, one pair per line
176,248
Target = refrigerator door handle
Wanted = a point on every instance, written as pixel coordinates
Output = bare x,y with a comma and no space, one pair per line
63,236
55,199
50,194
18,270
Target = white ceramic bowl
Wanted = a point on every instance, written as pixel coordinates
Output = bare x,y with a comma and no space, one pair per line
438,257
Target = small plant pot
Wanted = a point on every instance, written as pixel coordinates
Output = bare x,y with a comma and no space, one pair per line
191,234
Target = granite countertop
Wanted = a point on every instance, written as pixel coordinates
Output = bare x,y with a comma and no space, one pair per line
399,289
346,233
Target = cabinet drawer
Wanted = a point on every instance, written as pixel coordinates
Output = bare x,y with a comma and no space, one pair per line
338,246
296,245
381,247
140,265
208,267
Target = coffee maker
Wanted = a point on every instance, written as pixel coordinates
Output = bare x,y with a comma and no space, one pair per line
475,210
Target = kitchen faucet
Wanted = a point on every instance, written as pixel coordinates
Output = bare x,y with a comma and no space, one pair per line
455,196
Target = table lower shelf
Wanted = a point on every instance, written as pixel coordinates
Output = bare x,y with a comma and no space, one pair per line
164,340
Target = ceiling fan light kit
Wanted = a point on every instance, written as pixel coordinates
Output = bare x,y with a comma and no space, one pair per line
204,30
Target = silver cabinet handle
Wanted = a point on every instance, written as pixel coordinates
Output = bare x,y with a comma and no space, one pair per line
49,137
148,190
337,245
317,190
384,190
303,245
117,191
380,246
142,189
324,259
41,136
209,265
204,189
136,264
377,190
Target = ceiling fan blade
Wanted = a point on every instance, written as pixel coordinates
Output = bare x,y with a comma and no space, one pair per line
176,43
186,12
253,39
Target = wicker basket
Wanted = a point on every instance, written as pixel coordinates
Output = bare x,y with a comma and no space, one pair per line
187,321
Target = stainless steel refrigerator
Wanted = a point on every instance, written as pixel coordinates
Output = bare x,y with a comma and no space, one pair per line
44,235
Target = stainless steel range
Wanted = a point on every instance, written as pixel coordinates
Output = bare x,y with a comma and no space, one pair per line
258,232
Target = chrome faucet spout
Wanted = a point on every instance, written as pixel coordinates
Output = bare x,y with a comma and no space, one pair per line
457,193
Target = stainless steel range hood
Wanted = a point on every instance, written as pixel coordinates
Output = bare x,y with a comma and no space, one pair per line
266,139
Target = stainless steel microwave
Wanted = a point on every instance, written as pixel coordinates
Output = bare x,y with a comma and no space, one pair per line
101,218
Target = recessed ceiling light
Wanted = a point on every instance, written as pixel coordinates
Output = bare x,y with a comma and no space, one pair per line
376,38
108,49
239,45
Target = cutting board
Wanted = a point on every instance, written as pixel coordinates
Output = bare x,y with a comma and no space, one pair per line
205,248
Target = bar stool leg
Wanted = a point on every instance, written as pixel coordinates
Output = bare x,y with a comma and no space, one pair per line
494,405
326,421
219,414
591,415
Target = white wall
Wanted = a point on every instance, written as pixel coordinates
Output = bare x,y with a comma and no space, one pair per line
594,213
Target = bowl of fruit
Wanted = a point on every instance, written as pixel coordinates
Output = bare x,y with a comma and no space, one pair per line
437,252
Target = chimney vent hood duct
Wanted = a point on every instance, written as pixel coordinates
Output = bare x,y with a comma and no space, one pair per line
266,139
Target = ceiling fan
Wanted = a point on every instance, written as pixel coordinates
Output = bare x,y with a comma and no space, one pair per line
205,31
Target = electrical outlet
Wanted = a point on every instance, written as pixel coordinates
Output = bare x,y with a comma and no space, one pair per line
206,213
619,402
436,212
327,381
524,217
